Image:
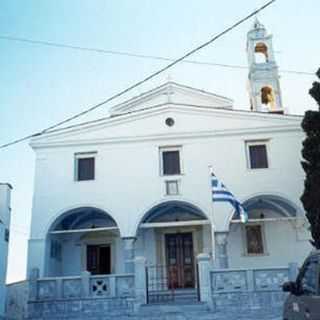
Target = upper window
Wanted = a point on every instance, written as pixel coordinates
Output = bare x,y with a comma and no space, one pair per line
254,239
85,166
257,155
6,235
170,161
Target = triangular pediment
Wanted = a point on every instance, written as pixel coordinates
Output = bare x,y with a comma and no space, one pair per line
172,93
151,125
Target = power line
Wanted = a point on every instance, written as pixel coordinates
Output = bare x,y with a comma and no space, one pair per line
153,75
137,55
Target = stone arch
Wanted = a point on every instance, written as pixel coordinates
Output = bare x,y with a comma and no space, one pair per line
82,218
171,210
69,230
67,210
261,53
264,203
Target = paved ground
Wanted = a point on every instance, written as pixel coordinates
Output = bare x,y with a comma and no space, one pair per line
247,316
191,311
201,312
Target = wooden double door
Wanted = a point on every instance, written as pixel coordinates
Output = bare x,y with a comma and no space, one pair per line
180,260
99,259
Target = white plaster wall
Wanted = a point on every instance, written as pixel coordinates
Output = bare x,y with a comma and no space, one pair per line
128,182
71,258
5,218
282,245
150,247
5,199
3,267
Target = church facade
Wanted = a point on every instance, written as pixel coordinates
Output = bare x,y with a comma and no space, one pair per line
137,183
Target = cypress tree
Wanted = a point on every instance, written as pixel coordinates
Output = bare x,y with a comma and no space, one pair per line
311,165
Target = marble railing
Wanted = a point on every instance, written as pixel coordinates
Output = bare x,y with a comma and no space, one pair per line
249,288
85,286
16,300
237,280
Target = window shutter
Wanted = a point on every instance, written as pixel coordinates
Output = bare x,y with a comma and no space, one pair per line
86,169
258,156
171,162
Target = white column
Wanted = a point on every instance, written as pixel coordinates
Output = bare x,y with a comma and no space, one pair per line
206,239
128,253
140,280
85,281
222,252
204,278
37,256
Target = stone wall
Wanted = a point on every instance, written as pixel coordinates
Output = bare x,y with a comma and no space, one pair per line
90,297
16,300
78,309
236,289
84,297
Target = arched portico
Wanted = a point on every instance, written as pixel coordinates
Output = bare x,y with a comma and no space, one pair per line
269,237
172,234
270,206
82,239
173,211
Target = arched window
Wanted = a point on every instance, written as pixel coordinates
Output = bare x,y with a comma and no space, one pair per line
261,53
267,97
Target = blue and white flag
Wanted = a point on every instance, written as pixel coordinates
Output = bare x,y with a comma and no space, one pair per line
222,194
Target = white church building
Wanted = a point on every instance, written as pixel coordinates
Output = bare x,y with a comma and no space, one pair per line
137,183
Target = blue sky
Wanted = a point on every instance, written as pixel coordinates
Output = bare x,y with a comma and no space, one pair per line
40,85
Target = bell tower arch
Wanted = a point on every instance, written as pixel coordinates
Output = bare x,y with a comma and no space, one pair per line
264,84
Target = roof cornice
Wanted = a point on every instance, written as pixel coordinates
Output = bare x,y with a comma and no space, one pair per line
155,110
209,134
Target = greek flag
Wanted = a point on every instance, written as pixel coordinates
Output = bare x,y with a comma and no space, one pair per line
222,194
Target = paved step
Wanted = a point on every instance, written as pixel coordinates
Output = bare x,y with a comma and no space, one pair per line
177,296
177,308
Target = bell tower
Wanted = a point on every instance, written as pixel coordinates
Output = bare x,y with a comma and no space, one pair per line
264,85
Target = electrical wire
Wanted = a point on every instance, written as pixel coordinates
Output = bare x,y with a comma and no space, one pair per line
135,85
137,55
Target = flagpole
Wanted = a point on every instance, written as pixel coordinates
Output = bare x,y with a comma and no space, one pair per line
213,251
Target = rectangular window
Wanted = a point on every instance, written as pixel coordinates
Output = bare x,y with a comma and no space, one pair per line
6,235
56,250
257,155
85,167
254,239
171,162
172,187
